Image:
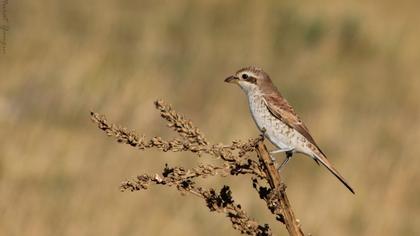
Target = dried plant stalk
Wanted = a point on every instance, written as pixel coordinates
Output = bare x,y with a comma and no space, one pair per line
281,206
235,158
220,202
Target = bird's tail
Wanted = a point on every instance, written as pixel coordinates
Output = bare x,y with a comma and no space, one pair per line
324,161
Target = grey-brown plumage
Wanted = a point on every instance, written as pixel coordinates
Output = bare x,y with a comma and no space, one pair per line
273,114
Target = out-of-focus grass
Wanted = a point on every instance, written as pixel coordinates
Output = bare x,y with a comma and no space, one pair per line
350,69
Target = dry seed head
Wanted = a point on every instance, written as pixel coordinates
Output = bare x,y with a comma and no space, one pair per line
235,162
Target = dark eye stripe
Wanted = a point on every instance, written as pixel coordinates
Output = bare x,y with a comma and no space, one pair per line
251,79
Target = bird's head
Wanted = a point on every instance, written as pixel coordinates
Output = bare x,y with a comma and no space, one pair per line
249,78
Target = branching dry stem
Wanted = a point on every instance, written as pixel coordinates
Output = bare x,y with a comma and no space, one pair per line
236,160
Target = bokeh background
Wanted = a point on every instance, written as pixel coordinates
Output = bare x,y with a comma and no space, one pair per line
350,69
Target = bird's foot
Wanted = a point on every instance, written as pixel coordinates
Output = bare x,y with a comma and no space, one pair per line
273,158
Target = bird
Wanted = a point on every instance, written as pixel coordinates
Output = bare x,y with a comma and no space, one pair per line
277,120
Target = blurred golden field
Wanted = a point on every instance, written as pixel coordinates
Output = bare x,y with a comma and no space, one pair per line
351,70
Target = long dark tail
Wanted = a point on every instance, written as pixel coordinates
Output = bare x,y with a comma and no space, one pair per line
324,161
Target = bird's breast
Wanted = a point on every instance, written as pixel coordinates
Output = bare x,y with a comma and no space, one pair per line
276,131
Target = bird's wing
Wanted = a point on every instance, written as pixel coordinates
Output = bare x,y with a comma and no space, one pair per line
281,109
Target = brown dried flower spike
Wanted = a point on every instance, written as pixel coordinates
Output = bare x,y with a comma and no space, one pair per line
234,161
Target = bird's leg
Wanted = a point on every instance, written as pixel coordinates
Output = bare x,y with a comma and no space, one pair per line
281,150
289,155
278,151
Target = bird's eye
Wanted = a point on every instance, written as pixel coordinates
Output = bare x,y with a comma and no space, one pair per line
244,76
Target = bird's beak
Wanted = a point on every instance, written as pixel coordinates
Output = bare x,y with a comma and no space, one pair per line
232,79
